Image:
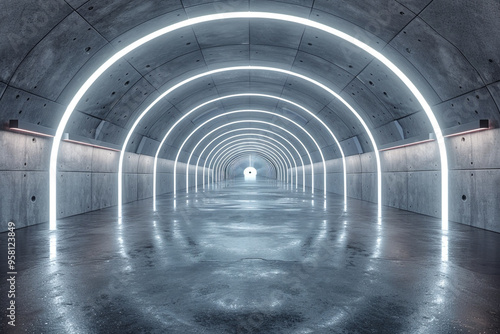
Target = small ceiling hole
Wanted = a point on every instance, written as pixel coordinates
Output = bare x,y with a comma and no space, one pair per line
87,49
490,60
33,199
91,7
126,83
464,198
310,44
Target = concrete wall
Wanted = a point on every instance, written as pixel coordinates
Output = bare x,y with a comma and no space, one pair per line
87,179
411,178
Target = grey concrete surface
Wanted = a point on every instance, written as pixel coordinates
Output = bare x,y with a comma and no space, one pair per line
254,257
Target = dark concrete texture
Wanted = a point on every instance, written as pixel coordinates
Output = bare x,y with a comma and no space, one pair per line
254,257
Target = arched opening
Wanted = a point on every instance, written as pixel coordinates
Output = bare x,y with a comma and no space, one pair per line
250,173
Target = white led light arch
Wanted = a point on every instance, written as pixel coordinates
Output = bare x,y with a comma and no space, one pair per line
310,113
235,148
260,150
270,168
246,111
241,156
223,163
264,143
248,15
275,163
263,122
252,135
252,129
271,124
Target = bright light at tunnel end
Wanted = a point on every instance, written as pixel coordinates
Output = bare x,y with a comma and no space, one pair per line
248,15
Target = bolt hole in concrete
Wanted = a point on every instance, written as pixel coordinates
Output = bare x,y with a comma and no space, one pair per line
33,198
464,198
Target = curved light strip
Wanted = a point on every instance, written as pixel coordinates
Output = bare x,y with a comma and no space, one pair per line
251,121
283,100
233,159
264,130
241,135
254,149
279,171
268,144
196,170
248,15
271,168
254,141
246,111
216,157
224,165
237,159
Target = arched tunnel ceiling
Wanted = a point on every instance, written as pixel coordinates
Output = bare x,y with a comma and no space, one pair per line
448,49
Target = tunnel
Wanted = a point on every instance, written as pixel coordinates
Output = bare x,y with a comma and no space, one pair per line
250,166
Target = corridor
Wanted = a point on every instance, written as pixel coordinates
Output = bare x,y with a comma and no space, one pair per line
256,256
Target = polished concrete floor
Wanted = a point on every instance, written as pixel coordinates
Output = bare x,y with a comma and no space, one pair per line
254,257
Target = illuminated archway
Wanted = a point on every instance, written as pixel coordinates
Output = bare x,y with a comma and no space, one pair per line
247,15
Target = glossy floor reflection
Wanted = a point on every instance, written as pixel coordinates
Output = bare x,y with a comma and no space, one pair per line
255,257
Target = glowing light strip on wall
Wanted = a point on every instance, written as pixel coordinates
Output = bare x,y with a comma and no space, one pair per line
256,129
252,135
254,111
249,15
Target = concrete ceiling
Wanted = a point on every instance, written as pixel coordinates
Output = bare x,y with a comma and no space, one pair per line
449,49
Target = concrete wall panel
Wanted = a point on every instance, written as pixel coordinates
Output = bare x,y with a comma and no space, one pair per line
395,189
74,193
424,193
104,190
485,196
74,157
14,199
129,188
